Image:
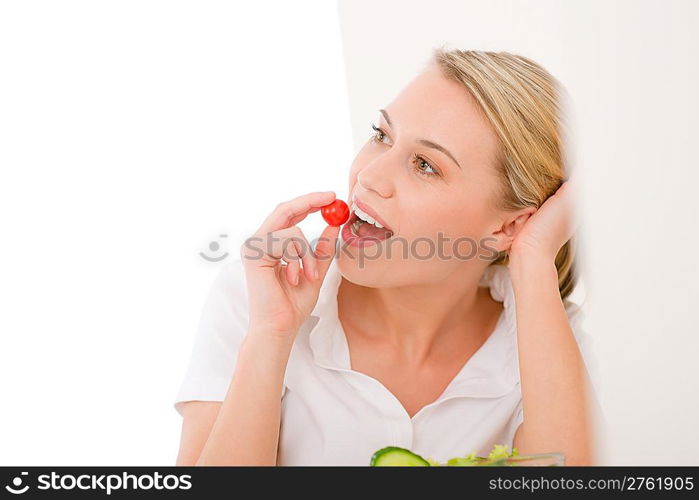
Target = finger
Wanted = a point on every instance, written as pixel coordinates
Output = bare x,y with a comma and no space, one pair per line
305,252
294,211
326,249
574,203
268,250
291,257
299,218
289,244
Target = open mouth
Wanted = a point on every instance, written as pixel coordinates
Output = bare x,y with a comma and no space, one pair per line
365,229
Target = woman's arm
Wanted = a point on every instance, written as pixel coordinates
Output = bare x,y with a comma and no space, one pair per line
281,296
246,430
554,381
556,396
198,419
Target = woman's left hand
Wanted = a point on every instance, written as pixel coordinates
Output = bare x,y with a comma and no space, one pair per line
549,228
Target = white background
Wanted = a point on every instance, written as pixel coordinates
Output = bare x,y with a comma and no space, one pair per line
134,133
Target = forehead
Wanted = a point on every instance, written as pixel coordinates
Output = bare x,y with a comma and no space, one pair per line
433,107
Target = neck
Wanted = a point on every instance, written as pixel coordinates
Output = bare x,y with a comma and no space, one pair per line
417,319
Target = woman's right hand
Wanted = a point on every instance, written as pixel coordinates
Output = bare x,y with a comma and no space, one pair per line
283,294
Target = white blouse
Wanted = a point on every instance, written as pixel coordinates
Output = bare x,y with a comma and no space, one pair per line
333,415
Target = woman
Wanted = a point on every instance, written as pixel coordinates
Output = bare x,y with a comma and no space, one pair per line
440,329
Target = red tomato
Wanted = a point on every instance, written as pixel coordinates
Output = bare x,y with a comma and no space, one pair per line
335,214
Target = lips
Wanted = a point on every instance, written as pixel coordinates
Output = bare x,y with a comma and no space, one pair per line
371,212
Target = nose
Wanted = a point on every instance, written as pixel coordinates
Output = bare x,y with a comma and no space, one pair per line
376,176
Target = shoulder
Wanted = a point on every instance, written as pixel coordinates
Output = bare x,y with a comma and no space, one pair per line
223,325
231,279
500,281
225,312
230,283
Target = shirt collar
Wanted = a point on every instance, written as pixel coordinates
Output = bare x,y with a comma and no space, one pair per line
492,371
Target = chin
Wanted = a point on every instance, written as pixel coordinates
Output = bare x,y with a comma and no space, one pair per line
371,272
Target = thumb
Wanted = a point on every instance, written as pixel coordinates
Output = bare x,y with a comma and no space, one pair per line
326,249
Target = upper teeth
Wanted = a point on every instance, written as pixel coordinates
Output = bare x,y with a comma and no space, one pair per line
364,216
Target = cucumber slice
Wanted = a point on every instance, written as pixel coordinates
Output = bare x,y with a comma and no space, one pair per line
395,456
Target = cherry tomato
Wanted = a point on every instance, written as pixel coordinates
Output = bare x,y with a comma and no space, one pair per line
335,214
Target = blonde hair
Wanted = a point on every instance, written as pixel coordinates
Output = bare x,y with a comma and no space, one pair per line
522,102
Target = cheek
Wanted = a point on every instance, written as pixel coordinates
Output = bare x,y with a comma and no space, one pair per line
445,231
445,218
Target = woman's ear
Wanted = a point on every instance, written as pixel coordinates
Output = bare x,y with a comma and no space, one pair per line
506,233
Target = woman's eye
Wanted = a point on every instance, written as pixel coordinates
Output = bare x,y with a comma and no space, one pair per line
422,166
379,134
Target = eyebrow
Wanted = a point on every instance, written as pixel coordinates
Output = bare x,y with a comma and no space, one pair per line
424,142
